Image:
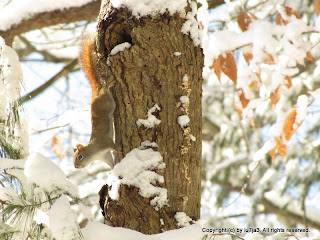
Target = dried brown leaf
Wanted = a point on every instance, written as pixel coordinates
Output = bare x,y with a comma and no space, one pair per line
281,146
272,154
289,11
317,7
244,101
248,57
238,108
225,63
57,147
268,59
229,66
251,121
244,20
254,85
309,57
217,67
288,129
275,96
288,82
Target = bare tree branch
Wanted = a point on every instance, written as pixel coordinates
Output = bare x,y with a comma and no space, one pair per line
67,69
215,3
270,207
87,12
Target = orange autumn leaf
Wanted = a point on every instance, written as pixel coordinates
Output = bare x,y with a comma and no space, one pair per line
290,125
254,85
309,57
229,67
57,147
244,20
268,59
289,11
201,25
225,63
275,96
272,154
248,57
251,121
259,74
247,53
317,7
288,129
217,67
288,82
280,20
281,146
244,101
238,108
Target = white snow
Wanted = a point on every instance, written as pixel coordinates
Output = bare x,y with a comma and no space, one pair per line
316,93
161,221
267,177
11,70
292,168
21,140
185,78
147,143
142,8
285,43
11,74
10,77
184,99
284,200
260,154
317,23
19,10
86,211
62,220
254,236
119,48
41,217
137,169
193,138
97,230
6,163
183,220
3,99
191,26
151,121
44,173
8,193
183,120
302,104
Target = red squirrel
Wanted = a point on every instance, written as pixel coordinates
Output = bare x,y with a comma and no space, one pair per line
102,108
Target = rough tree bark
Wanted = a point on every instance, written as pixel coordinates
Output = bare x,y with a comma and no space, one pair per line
150,73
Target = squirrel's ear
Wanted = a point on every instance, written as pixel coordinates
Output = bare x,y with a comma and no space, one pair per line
79,146
74,149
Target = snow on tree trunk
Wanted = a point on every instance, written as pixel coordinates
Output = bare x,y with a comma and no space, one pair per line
157,75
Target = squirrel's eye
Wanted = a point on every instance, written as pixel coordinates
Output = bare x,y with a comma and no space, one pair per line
80,157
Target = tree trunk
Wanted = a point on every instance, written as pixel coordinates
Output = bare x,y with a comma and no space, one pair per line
153,72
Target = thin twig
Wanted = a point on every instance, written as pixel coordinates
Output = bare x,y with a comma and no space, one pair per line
67,69
48,129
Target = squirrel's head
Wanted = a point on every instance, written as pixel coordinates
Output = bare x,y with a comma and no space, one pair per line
79,155
84,155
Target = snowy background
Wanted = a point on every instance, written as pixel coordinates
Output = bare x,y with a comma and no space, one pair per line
244,116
